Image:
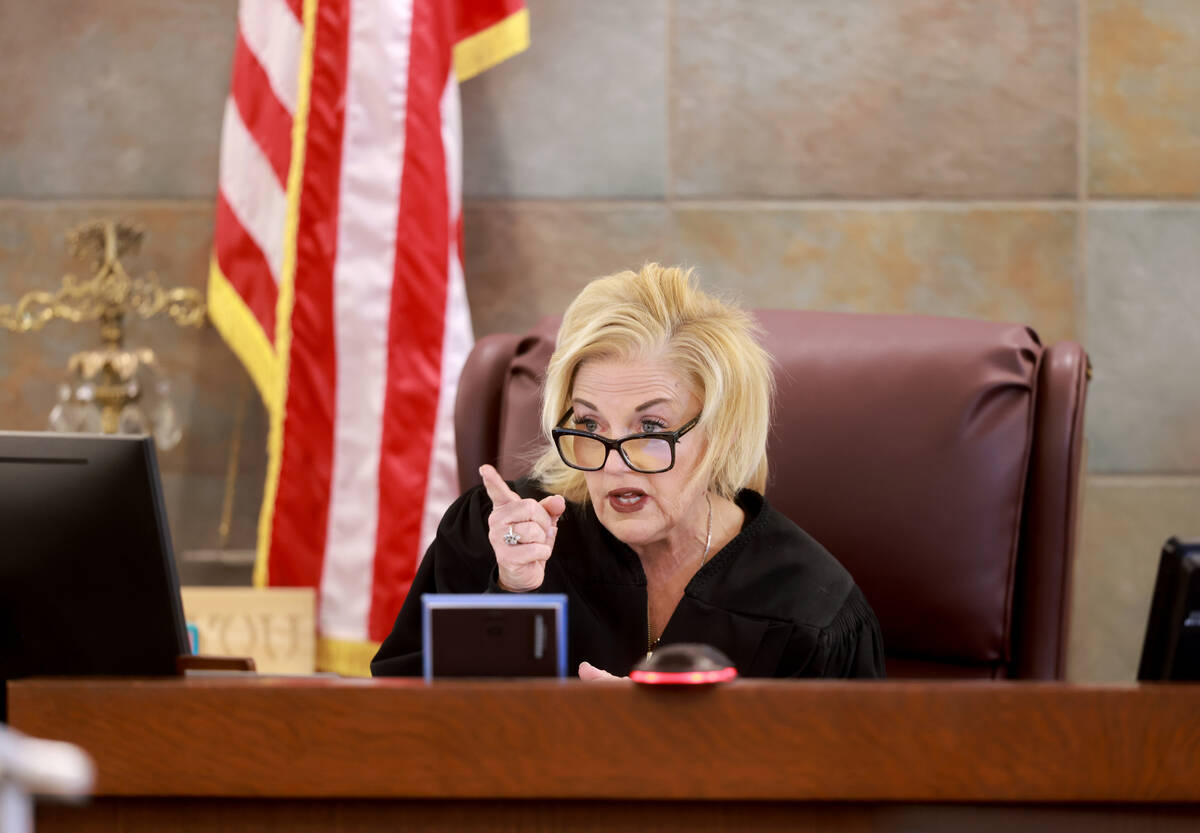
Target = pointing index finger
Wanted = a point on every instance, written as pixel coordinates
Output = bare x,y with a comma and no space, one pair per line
497,489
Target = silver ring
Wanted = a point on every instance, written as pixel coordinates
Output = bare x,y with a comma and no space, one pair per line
511,538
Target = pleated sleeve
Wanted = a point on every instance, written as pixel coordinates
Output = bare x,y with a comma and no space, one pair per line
851,645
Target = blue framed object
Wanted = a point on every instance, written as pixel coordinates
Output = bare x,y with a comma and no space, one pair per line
494,635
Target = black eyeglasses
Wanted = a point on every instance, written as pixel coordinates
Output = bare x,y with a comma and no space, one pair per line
649,453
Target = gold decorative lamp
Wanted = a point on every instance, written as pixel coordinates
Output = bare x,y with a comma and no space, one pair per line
110,384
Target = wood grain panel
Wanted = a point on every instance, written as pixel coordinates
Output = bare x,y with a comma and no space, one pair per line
128,815
753,740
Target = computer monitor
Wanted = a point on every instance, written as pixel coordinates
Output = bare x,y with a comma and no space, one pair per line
87,577
1171,650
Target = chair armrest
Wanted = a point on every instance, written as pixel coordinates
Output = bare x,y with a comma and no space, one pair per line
1051,513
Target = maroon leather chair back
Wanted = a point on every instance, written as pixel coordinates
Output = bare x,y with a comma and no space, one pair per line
938,459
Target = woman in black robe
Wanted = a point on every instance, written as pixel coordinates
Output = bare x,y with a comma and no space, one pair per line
646,509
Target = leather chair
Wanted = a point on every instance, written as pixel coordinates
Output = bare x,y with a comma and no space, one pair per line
938,459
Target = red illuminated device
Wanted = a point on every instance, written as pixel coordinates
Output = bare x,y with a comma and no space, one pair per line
684,664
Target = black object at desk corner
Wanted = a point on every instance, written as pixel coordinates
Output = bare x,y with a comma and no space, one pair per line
1171,650
87,574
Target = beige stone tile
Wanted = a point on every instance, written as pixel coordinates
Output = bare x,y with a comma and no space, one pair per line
33,249
120,99
528,260
1126,520
215,568
866,98
1143,294
1016,265
582,113
208,381
1144,98
195,506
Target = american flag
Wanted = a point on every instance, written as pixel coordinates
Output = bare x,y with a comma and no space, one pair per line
337,279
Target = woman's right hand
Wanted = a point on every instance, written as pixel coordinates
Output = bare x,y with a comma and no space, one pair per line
522,566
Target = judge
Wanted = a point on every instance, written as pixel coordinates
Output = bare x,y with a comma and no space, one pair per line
646,509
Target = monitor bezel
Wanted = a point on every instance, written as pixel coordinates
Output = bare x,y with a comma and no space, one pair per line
50,448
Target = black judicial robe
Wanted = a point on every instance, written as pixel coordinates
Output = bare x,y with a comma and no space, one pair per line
773,599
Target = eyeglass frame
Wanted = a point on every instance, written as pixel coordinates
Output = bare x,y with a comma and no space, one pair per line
672,437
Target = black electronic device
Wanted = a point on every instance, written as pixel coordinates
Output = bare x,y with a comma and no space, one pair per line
684,663
88,584
494,634
1171,650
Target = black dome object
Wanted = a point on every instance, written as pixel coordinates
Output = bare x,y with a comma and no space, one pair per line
684,663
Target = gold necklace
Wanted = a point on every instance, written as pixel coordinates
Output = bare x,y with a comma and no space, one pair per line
652,643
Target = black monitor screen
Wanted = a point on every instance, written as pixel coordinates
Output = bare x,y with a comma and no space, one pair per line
87,577
1171,650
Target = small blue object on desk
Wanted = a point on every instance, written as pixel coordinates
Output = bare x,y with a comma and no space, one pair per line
494,635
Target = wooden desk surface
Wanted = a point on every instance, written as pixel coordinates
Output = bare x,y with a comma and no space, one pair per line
746,741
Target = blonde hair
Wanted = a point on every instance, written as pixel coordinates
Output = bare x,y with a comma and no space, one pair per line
659,313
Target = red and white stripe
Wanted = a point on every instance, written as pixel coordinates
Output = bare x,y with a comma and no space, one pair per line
256,137
368,212
420,291
443,486
368,312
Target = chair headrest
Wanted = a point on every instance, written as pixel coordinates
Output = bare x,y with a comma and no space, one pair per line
902,444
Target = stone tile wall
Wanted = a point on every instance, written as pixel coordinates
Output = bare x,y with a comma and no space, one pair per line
1031,160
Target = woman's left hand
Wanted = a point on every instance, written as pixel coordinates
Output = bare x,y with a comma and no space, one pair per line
591,673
